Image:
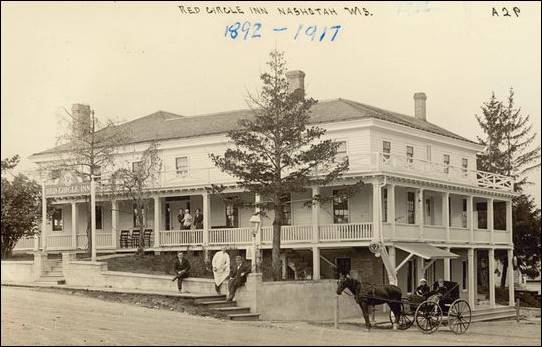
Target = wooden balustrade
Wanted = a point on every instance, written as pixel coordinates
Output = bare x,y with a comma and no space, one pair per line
346,232
181,237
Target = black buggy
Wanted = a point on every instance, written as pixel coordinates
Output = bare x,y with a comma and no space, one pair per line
440,304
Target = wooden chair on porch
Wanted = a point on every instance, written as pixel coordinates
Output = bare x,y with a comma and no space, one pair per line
147,238
125,240
135,238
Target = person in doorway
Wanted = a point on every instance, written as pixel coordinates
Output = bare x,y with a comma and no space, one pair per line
182,268
198,219
180,218
221,267
187,220
238,276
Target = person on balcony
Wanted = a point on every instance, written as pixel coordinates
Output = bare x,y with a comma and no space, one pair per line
198,219
187,220
180,218
182,268
238,276
221,267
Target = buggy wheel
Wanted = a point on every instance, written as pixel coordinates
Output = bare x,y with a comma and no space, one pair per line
428,316
405,320
459,316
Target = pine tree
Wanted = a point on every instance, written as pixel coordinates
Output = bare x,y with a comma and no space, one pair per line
276,152
508,151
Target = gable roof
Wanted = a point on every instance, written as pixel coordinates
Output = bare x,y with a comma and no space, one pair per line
163,125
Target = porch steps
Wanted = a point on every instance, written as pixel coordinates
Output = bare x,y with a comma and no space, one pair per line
218,304
230,308
52,273
488,314
244,316
233,310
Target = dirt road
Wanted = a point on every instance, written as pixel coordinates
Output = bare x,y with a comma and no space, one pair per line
34,317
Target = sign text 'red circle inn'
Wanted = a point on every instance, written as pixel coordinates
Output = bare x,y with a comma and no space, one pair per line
73,189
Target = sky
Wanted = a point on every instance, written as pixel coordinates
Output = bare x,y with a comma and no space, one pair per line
128,60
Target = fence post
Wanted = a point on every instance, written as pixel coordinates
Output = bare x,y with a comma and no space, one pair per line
336,317
517,310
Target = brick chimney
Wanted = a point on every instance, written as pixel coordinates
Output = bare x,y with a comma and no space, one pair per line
81,118
296,82
419,106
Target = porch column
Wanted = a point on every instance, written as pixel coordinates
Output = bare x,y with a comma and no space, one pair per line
157,217
206,217
491,263
114,222
43,218
376,209
391,211
471,276
509,220
490,219
284,262
420,212
315,263
470,218
510,276
447,273
391,255
74,225
420,273
315,214
446,214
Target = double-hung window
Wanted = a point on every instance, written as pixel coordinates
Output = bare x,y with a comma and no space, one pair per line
386,149
181,166
446,162
286,210
465,166
341,151
340,207
58,224
410,154
411,208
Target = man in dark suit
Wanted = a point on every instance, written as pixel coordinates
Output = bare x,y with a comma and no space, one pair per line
198,219
182,268
238,276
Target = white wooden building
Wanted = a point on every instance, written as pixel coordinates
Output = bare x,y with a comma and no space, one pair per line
421,187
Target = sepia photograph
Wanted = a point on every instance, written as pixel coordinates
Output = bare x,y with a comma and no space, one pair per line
270,173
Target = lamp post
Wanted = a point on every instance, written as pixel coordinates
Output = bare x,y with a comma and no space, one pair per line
257,222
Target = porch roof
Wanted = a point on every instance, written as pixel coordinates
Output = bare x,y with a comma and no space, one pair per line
424,250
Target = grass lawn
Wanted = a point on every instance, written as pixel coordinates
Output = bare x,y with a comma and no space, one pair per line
158,264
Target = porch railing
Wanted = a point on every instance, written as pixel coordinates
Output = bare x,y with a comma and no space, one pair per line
289,233
230,235
61,241
440,170
25,243
345,232
181,237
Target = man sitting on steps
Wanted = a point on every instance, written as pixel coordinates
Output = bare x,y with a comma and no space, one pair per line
238,276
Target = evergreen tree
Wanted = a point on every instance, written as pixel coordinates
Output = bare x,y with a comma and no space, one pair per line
509,151
275,151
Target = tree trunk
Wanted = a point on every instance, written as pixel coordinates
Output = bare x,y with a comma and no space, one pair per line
277,224
141,247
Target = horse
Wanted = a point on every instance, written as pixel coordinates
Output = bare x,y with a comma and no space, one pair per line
371,296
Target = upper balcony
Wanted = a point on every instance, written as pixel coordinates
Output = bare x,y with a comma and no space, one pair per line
361,164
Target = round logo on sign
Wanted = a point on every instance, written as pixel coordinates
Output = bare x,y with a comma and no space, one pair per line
68,178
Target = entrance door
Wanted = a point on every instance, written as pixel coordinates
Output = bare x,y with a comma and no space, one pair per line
175,206
344,265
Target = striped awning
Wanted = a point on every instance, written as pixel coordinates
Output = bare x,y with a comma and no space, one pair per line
424,250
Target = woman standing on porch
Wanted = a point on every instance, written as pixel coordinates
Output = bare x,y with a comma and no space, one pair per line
221,267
